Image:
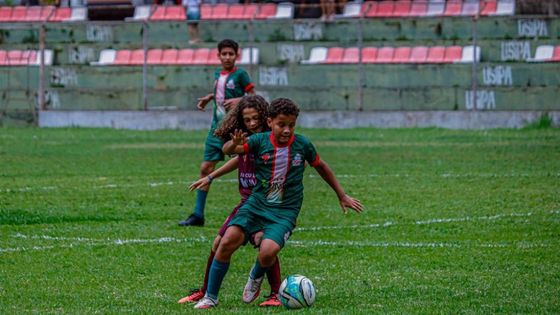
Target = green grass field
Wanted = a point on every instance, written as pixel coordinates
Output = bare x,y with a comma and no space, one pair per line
455,222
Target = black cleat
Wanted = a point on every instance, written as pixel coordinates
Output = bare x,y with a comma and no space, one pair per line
192,220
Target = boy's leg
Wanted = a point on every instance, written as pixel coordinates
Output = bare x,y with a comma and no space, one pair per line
268,251
274,279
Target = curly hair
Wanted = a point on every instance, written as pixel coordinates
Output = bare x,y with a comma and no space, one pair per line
283,106
234,119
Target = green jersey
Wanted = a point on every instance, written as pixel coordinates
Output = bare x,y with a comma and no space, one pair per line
279,173
228,85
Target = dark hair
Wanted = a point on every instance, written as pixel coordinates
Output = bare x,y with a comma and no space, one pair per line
228,43
234,119
283,106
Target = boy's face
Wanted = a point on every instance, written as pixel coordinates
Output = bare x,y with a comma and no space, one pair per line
227,57
282,127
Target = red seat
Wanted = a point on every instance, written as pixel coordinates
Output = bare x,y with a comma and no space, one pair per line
452,54
235,12
123,57
61,14
47,12
385,8
220,11
402,55
351,55
29,57
3,57
402,8
33,14
436,54
169,57
158,14
369,54
266,10
453,8
18,14
250,11
137,57
206,11
154,56
334,55
14,58
419,54
385,55
201,56
556,56
5,14
185,56
368,9
175,13
213,57
488,7
419,8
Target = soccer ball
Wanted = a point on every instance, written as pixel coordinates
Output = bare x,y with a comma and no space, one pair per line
297,291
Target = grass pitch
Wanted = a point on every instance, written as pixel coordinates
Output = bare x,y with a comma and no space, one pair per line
455,222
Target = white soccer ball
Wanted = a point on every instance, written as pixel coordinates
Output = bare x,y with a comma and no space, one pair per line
297,291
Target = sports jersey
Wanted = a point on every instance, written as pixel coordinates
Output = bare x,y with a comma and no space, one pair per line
246,175
279,174
228,85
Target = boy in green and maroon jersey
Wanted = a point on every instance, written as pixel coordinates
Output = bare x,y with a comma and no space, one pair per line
231,83
275,203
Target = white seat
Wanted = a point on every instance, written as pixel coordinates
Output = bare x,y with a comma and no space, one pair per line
78,14
284,10
544,53
317,55
48,58
470,8
352,10
435,7
141,13
505,7
106,57
467,55
246,55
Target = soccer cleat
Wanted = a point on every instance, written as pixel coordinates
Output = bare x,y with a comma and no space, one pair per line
192,220
271,300
252,289
206,302
195,296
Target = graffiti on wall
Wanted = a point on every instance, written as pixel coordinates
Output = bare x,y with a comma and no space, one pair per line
99,33
275,76
516,50
532,28
308,31
289,52
64,77
81,55
497,75
485,99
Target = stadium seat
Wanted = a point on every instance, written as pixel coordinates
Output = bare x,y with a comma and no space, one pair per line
169,57
435,8
419,54
235,12
154,56
316,55
106,57
351,55
18,14
168,13
250,11
385,9
452,54
505,7
334,55
488,7
401,8
246,55
123,57
453,8
369,8
470,8
385,55
3,57
61,15
369,54
14,58
38,13
402,55
418,8
219,11
137,57
468,53
543,53
200,56
436,54
78,14
48,57
556,56
141,13
185,56
213,57
266,11
205,11
352,10
285,10
5,14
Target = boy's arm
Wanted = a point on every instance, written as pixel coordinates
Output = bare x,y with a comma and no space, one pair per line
235,145
203,101
345,201
231,103
230,165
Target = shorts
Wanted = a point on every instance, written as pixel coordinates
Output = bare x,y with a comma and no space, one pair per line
213,148
193,16
224,227
278,230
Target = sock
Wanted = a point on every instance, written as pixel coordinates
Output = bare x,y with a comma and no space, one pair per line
258,270
200,203
207,272
274,278
218,271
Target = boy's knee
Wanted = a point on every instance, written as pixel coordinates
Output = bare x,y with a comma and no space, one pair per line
216,243
207,167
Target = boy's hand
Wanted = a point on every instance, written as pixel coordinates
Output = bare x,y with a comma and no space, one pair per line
201,183
238,137
349,202
203,101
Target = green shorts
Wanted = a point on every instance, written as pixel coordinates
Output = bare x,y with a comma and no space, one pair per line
213,148
278,230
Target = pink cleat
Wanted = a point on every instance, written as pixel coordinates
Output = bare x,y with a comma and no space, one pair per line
194,297
271,301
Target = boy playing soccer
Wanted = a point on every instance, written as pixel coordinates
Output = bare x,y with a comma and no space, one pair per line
230,84
276,200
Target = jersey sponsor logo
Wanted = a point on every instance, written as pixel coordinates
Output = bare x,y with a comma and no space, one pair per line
276,191
297,160
279,175
247,180
265,157
230,85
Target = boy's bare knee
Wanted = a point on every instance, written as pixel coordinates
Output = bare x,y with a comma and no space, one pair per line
216,243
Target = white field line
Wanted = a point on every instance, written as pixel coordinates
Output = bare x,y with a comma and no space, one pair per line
173,183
